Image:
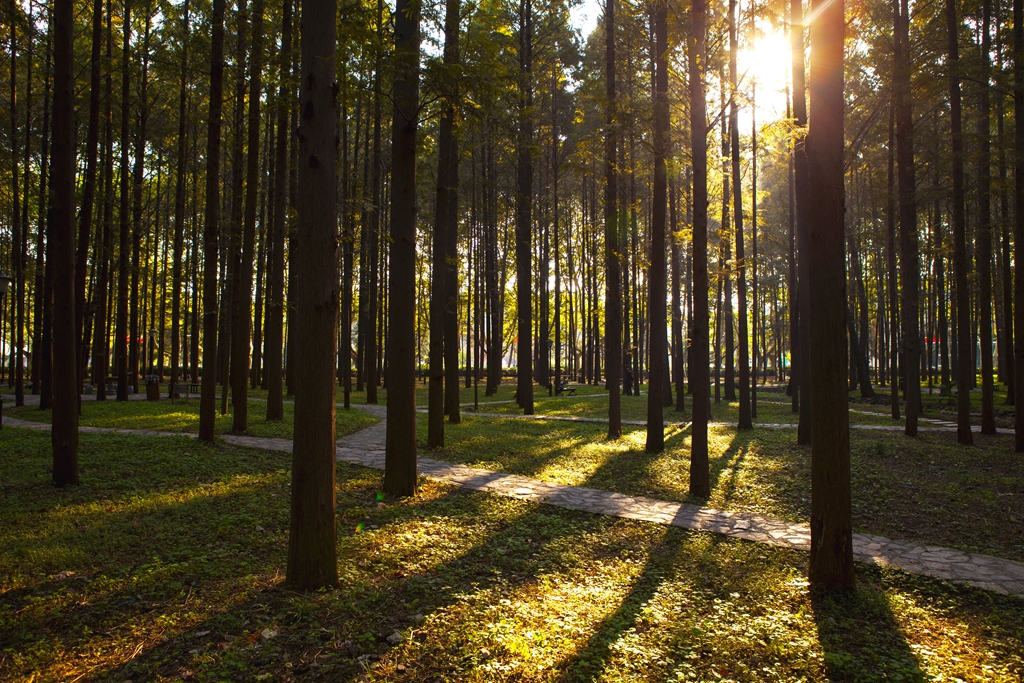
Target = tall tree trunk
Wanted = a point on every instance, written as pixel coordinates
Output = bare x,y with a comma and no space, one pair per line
18,251
700,478
88,190
444,339
909,264
831,506
678,349
312,558
400,453
965,342
737,205
121,330
1018,223
657,285
984,239
800,185
524,207
890,257
275,276
241,318
211,232
137,178
64,434
373,248
613,293
44,280
179,207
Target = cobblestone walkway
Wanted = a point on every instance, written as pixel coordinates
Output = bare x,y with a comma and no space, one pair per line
366,448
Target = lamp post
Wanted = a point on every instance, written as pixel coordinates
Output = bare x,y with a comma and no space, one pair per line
5,283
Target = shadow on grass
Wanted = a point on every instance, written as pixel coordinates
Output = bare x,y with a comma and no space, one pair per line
861,638
592,658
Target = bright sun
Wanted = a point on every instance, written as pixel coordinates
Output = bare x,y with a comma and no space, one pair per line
766,65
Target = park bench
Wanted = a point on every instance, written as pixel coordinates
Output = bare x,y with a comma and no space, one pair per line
565,389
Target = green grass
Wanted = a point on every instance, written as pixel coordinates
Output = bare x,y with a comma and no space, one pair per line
167,565
183,416
925,489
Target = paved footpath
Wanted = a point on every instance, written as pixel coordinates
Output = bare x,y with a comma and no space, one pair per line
366,448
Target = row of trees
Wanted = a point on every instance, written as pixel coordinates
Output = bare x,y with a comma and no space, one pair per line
537,152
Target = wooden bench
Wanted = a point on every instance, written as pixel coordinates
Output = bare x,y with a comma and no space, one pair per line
565,390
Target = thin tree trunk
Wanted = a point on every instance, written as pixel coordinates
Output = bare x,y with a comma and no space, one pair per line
613,294
524,219
984,238
745,421
700,478
242,316
275,277
179,209
657,285
800,185
909,264
211,232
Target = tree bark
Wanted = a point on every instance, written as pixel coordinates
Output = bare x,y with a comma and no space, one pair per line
121,332
745,421
700,478
524,214
658,373
400,449
800,185
211,232
242,316
984,239
312,559
831,506
613,293
64,433
273,352
179,207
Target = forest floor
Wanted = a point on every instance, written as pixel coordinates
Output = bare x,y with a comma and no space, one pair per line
166,564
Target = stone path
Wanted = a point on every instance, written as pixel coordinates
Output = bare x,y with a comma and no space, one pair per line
366,448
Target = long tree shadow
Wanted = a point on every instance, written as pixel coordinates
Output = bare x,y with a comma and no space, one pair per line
861,637
592,658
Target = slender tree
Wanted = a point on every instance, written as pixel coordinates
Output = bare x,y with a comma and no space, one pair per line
524,213
211,232
700,478
613,292
737,205
657,285
984,241
241,318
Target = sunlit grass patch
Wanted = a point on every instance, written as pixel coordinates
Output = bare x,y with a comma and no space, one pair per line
182,415
164,566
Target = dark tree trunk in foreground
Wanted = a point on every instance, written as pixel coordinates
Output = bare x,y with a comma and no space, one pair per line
657,280
241,317
909,266
831,506
700,478
965,341
800,184
64,434
312,560
613,291
208,400
524,219
274,339
400,453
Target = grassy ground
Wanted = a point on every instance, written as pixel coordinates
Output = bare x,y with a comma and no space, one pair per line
926,489
183,416
167,564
